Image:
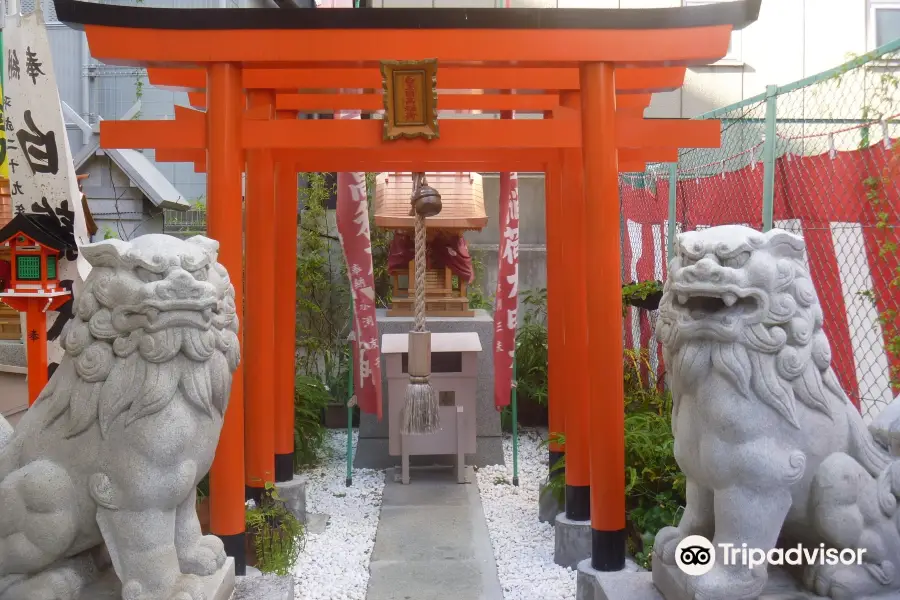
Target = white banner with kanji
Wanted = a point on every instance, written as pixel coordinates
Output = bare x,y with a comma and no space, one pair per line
41,173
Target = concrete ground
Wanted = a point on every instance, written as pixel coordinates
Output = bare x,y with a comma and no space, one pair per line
432,541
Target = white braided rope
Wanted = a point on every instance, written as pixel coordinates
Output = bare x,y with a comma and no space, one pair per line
420,273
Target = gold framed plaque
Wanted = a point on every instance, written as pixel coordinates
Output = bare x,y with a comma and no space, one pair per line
410,99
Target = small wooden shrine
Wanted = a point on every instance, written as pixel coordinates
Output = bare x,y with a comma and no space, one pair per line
33,286
34,259
450,269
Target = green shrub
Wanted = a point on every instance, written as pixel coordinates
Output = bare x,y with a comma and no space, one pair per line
654,485
278,535
310,398
531,348
477,297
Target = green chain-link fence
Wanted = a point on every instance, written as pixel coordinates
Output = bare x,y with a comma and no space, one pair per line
816,157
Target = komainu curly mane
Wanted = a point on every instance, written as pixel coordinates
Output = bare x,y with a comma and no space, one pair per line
127,362
762,329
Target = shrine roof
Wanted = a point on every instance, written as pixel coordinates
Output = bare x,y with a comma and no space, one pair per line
738,14
40,228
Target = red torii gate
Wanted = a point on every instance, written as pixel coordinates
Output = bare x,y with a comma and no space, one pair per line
587,72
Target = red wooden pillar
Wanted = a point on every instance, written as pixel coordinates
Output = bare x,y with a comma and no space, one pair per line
36,346
285,311
558,383
224,167
604,297
577,368
259,331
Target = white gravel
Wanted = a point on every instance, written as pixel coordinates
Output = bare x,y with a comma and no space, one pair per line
334,565
523,546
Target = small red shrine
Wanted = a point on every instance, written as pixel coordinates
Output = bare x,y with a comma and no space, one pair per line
33,286
450,269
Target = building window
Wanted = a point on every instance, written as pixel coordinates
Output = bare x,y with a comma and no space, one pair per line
51,267
734,46
28,268
884,22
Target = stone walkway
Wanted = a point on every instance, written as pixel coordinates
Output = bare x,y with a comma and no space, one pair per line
432,541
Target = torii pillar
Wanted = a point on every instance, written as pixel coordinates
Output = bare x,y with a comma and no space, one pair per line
225,218
604,296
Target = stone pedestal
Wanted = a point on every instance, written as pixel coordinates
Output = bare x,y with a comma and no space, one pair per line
372,447
573,541
218,586
668,579
264,587
631,583
293,494
548,507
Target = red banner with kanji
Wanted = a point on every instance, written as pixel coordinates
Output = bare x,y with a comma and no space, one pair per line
353,230
507,301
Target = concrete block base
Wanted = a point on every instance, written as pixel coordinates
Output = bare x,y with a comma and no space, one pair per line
667,583
264,587
670,582
573,541
293,494
631,583
218,586
372,453
548,507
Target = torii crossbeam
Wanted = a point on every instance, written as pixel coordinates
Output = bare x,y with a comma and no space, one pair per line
585,75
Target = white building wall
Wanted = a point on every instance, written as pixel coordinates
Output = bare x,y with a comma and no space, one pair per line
791,40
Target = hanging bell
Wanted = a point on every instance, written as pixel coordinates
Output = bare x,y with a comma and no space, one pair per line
426,201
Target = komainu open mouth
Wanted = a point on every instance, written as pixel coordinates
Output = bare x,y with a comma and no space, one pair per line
705,304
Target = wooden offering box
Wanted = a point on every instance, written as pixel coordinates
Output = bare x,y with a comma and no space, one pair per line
454,377
462,199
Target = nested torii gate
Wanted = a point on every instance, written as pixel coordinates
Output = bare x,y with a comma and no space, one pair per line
586,74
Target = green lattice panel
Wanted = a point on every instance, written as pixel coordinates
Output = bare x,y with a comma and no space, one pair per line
28,268
51,267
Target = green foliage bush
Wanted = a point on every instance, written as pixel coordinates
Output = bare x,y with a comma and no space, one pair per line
310,437
476,295
323,314
654,485
531,348
278,536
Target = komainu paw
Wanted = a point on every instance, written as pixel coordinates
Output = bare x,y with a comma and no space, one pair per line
666,542
723,583
204,558
848,582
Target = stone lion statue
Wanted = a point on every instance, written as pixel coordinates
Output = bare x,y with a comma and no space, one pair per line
105,465
774,453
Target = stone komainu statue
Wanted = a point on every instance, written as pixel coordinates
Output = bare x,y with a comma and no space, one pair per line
774,453
109,456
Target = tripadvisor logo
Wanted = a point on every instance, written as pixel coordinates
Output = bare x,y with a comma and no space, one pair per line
695,555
